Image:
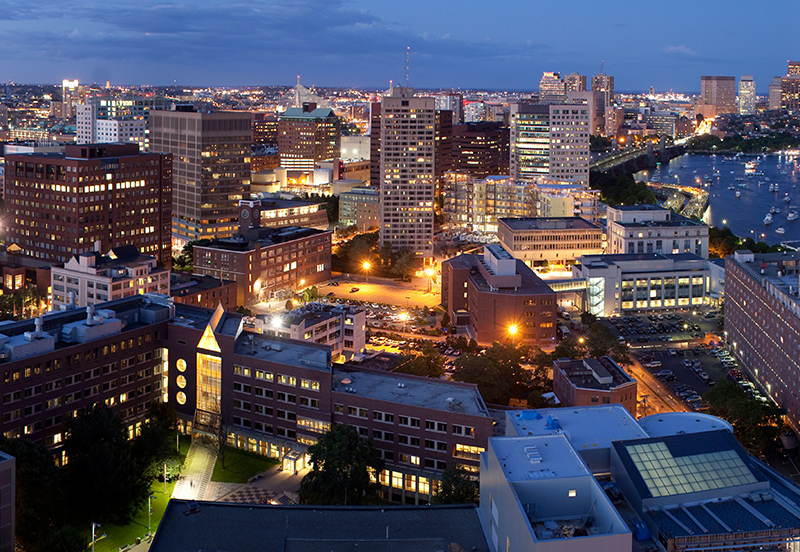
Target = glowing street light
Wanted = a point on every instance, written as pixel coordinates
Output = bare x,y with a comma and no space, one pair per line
512,331
404,319
366,266
429,273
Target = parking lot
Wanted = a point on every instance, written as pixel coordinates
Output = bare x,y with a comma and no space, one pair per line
644,330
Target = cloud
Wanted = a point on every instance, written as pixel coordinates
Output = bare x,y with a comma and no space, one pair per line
681,50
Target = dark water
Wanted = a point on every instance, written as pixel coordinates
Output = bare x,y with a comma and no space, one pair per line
744,216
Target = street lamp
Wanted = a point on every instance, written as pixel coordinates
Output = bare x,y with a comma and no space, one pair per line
429,274
404,318
512,331
94,526
366,266
149,511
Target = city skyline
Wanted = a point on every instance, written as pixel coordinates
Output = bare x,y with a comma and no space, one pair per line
359,44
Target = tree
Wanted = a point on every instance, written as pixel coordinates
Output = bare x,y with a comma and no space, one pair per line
456,487
38,491
244,310
310,294
428,362
498,373
445,320
342,462
755,424
103,478
360,252
406,263
536,399
289,305
155,444
569,348
387,254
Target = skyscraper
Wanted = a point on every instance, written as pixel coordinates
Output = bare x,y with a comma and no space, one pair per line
452,102
530,140
604,83
775,93
747,95
575,82
307,135
211,172
793,68
551,88
719,92
106,195
407,170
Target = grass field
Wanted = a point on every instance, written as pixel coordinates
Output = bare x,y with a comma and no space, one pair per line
240,466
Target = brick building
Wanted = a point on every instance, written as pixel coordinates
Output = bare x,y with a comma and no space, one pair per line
202,291
499,298
480,149
593,381
762,323
307,135
61,204
266,263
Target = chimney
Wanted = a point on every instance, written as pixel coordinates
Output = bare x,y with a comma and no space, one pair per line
39,322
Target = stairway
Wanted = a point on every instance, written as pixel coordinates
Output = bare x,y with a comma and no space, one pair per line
197,471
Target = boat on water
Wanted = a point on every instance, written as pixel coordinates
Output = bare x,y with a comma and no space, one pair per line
715,173
738,194
768,219
787,199
771,187
774,210
731,187
780,230
739,179
792,215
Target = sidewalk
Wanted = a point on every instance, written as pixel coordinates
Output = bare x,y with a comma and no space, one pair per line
196,477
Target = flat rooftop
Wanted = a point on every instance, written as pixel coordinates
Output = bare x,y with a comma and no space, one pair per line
675,220
548,223
533,458
284,351
593,373
779,269
429,393
584,427
257,528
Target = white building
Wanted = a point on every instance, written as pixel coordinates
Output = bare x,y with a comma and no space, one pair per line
540,242
621,284
556,198
341,327
91,278
747,95
653,229
407,170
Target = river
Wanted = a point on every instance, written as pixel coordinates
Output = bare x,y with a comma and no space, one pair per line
744,215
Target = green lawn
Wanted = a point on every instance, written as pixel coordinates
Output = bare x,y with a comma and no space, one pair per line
120,535
240,466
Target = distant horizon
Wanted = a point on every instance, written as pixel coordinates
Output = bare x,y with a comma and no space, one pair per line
346,43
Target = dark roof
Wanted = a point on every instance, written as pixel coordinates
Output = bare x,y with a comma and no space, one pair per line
116,257
251,528
548,223
187,284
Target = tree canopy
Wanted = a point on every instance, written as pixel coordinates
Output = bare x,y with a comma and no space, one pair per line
620,190
497,373
456,487
755,424
342,462
426,362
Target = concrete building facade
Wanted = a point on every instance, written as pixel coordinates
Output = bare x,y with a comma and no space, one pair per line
747,95
550,242
719,92
637,229
360,207
407,171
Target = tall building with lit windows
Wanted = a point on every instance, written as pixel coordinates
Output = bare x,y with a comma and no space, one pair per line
89,198
747,95
719,92
308,135
551,88
211,155
407,159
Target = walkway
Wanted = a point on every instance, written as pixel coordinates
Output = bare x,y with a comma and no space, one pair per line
196,477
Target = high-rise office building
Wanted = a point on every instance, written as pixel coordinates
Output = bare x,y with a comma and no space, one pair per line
211,156
793,68
747,95
569,143
112,118
375,143
575,82
596,102
790,93
480,149
719,92
775,86
452,102
89,198
308,135
530,140
550,140
407,170
443,158
551,88
604,83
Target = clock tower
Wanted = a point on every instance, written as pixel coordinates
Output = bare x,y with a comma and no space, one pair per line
249,215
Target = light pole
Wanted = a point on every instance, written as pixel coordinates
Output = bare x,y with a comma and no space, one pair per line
366,266
404,318
149,512
94,526
429,274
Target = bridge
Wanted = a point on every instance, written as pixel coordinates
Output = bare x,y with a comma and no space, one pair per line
631,161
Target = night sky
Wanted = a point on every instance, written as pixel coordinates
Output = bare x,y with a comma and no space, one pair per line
501,44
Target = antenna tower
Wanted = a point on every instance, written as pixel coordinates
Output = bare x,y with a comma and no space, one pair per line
408,49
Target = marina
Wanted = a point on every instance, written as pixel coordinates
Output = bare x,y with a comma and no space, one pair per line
766,184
